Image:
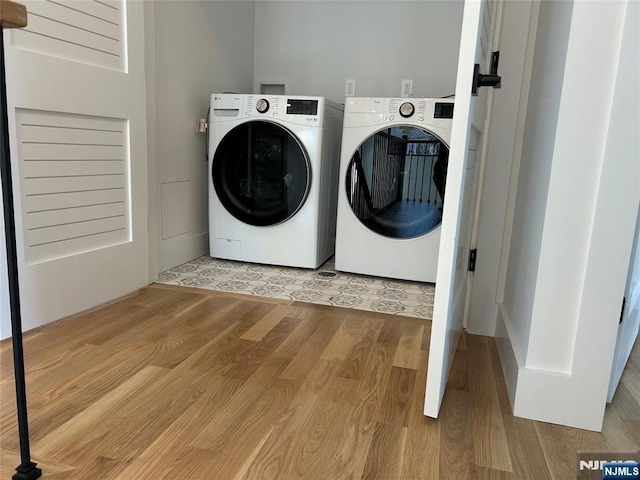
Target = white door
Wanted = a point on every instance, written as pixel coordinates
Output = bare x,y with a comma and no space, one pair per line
630,318
76,98
469,120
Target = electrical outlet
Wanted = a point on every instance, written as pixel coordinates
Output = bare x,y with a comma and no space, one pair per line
407,88
350,87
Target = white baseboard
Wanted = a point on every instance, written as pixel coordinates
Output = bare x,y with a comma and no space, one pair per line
181,249
535,394
542,396
508,357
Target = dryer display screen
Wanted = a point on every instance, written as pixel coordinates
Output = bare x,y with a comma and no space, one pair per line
443,110
302,107
261,173
396,181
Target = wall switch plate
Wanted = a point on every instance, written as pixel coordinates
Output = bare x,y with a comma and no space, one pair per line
407,88
350,87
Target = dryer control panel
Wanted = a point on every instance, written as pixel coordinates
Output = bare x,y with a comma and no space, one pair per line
406,108
365,111
293,109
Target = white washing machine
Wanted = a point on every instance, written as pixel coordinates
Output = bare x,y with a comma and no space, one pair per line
274,164
392,178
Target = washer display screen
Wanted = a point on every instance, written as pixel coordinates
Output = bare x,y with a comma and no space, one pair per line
396,181
261,173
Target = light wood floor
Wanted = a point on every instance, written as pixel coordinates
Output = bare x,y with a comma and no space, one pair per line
177,383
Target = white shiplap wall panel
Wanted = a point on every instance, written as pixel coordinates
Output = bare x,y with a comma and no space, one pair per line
31,117
109,12
34,169
114,4
75,35
53,151
61,135
75,182
106,238
47,203
79,214
80,229
51,185
91,8
85,31
56,12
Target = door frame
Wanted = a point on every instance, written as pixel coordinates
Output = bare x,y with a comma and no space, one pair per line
573,392
152,156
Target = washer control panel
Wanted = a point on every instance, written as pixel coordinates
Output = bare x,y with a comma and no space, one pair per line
300,110
267,105
295,109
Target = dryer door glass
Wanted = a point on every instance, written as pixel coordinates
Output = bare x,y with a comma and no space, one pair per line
396,181
261,173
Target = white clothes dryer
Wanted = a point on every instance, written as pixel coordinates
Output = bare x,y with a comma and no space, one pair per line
392,179
274,164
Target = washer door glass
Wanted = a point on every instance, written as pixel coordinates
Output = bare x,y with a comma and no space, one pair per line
396,181
261,173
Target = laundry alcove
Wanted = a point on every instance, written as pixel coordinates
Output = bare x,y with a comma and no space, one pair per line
229,46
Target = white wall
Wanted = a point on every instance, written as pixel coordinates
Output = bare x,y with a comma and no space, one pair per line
535,166
613,224
315,45
575,176
199,48
575,214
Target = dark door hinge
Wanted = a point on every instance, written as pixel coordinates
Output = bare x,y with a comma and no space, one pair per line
473,254
495,60
491,80
624,301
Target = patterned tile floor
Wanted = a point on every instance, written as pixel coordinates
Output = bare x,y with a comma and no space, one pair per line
324,285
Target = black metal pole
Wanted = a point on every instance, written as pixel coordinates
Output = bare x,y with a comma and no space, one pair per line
27,469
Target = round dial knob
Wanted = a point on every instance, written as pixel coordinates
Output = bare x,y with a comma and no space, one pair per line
262,105
407,109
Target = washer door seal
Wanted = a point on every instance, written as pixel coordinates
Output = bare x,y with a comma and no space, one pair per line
395,181
261,173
